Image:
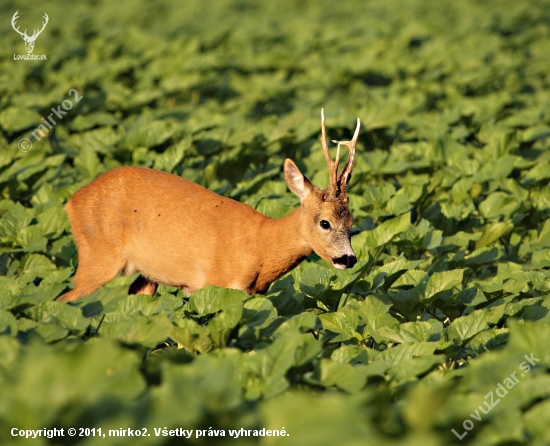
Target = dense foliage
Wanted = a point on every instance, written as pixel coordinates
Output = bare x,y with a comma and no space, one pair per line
450,198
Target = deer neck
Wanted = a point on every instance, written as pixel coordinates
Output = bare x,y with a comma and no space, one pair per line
283,248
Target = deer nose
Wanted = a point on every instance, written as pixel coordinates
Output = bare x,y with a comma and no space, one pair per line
346,260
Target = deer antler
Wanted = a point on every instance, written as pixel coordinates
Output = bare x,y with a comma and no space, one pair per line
338,184
13,19
332,165
345,176
37,33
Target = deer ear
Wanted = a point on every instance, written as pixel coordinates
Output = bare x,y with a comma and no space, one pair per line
296,181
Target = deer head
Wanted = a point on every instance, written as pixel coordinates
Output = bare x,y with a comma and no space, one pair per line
29,40
327,221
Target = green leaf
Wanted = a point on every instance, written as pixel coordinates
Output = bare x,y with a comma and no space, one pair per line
529,337
32,239
343,322
37,265
460,239
8,323
13,119
58,276
407,332
51,332
9,352
406,351
211,299
442,281
464,328
152,133
404,200
147,331
410,368
168,160
258,312
64,315
52,222
345,376
304,321
191,336
387,231
373,312
15,220
270,365
541,258
498,204
482,256
85,122
536,419
87,163
226,319
492,232
101,140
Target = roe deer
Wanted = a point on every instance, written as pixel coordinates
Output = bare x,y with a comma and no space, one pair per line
175,232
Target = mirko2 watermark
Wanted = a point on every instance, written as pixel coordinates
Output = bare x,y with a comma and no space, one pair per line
29,40
48,123
501,391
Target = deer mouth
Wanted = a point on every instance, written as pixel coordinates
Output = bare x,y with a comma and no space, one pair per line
344,262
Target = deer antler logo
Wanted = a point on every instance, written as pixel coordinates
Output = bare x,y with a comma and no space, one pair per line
29,40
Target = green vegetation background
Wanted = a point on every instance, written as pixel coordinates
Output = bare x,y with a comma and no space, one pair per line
450,198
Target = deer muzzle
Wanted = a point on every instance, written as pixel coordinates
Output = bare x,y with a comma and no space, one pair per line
345,261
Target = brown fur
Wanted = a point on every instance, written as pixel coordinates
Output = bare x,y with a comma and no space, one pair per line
178,233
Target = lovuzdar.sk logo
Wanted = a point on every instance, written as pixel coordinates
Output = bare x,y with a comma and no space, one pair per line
29,40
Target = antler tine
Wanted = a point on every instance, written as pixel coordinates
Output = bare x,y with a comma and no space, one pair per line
43,25
46,22
324,138
332,166
346,173
13,19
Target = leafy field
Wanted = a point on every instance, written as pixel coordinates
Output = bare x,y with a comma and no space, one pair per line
443,325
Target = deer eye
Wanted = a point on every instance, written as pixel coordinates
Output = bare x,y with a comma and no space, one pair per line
324,224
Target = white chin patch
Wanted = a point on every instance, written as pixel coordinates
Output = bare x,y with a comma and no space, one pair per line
336,265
